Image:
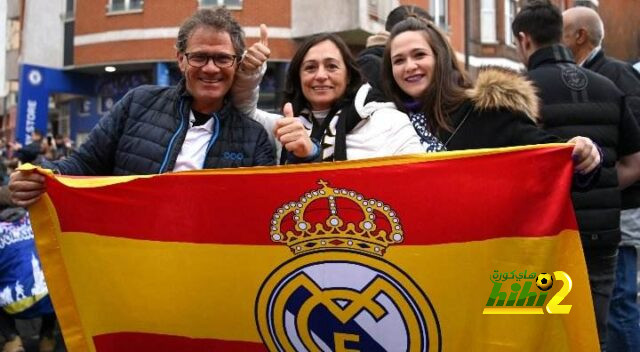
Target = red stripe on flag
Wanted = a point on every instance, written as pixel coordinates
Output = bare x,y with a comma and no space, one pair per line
444,201
136,342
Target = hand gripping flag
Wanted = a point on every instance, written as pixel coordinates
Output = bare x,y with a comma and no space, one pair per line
475,250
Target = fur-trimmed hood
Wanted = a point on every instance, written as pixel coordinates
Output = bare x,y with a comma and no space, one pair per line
501,88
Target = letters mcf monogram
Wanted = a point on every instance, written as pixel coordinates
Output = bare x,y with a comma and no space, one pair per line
338,293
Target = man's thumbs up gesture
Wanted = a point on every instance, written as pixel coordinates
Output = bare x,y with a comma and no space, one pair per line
258,53
292,134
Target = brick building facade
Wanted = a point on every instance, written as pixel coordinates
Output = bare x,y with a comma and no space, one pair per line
110,46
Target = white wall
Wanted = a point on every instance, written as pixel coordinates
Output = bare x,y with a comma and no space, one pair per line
312,16
384,7
43,33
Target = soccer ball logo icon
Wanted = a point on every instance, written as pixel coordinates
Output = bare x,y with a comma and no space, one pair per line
544,281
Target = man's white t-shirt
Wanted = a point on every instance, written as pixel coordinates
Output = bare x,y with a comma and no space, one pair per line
194,148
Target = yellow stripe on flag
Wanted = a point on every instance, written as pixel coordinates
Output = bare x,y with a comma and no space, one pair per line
171,287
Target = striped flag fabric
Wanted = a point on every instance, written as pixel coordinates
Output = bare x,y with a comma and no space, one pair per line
455,251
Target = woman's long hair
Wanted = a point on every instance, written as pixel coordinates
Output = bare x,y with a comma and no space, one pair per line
446,92
293,85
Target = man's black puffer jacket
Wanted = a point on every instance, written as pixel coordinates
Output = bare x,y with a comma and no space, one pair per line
579,102
144,132
627,79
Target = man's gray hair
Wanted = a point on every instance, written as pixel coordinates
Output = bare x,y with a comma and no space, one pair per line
219,19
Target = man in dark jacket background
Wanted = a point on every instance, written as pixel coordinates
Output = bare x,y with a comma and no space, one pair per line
583,33
576,101
160,129
30,152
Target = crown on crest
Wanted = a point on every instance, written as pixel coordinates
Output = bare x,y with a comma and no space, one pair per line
332,218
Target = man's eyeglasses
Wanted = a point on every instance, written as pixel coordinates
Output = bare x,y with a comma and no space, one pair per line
200,60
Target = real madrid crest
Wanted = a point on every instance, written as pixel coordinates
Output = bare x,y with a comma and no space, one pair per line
338,293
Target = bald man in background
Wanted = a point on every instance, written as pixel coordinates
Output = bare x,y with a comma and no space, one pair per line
583,33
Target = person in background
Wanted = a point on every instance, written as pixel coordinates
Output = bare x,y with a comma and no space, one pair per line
578,101
13,341
17,254
583,33
63,147
157,129
370,59
49,148
32,151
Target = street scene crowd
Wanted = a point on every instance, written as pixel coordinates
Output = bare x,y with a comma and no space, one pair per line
406,93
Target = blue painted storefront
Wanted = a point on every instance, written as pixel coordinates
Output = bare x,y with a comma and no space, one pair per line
36,84
100,93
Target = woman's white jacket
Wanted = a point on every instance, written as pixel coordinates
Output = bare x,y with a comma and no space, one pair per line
383,130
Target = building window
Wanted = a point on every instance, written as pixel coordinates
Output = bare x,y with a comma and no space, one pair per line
233,4
272,87
510,11
125,5
440,11
84,107
488,21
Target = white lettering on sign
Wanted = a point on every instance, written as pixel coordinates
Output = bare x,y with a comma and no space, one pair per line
31,121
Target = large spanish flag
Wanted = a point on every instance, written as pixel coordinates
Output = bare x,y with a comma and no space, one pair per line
457,251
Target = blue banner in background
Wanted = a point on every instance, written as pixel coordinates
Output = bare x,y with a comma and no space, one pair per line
33,103
36,84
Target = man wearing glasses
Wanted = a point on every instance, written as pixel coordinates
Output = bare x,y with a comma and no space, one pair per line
161,129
